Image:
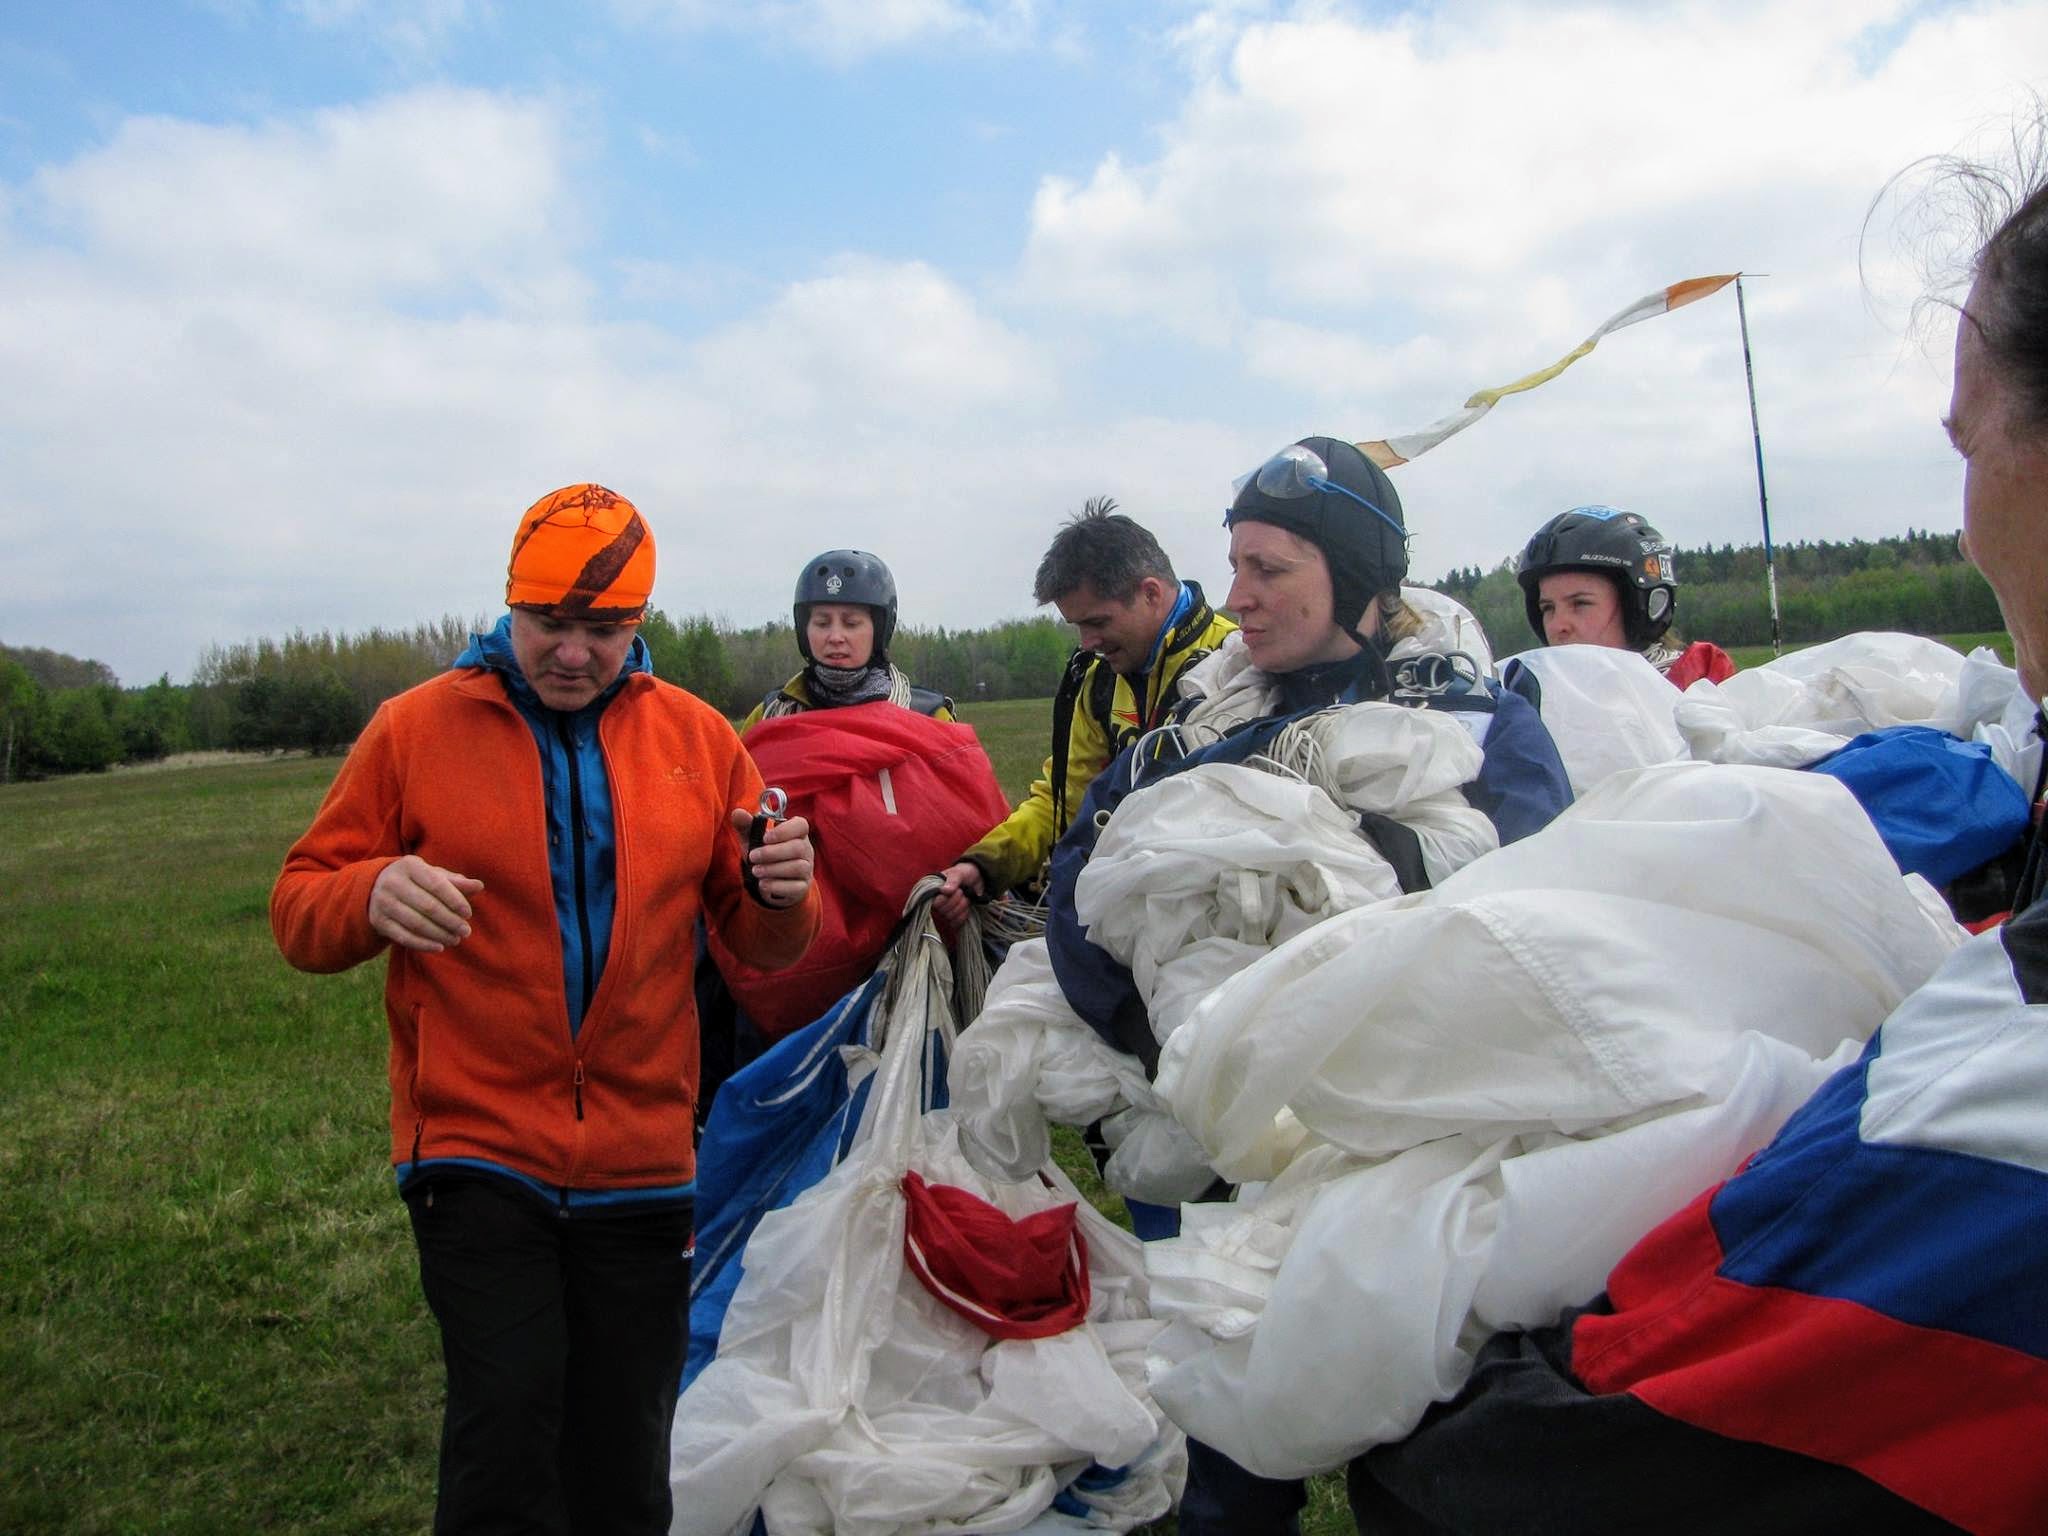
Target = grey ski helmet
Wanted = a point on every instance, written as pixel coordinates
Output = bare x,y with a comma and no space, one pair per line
1325,491
1619,545
847,576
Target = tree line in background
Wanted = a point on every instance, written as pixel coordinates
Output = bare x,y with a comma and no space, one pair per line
313,691
60,714
1918,583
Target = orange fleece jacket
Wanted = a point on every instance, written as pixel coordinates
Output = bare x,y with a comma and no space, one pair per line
482,1062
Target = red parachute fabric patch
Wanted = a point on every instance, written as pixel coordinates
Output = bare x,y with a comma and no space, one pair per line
1012,1278
1701,659
891,796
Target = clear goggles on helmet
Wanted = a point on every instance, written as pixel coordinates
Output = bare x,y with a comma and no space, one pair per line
1296,472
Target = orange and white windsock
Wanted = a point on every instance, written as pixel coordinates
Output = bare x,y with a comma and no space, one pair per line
1387,452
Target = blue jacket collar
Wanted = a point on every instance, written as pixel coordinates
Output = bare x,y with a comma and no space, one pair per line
493,651
1182,606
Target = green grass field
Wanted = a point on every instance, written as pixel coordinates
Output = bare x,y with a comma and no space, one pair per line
209,1317
209,1313
1997,639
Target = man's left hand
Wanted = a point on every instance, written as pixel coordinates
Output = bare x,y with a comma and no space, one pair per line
782,864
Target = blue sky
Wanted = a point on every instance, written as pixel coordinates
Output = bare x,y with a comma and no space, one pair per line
306,300
711,138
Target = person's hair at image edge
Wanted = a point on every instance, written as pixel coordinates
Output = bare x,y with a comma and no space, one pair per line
2000,206
1104,549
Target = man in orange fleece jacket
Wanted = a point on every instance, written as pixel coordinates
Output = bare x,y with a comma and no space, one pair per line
533,836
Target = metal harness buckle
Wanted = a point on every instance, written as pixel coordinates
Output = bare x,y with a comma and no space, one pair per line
1433,674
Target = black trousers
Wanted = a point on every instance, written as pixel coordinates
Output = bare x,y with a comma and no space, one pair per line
564,1340
1223,1499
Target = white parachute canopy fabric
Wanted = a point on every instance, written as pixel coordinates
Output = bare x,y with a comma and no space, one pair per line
1226,690
1802,706
1447,625
1500,1084
1030,1059
1607,710
1991,707
1204,873
1196,876
1193,879
845,1398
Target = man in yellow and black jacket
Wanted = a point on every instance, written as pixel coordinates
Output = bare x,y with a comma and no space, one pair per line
1140,628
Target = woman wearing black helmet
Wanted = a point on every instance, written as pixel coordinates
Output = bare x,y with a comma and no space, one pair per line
1318,550
1599,576
845,614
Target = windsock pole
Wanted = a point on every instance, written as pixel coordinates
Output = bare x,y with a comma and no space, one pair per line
1763,499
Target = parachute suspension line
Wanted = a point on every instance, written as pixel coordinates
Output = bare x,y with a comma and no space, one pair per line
940,991
1012,921
1297,753
1143,752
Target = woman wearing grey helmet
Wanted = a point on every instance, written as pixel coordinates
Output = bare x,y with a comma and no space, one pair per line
807,739
845,615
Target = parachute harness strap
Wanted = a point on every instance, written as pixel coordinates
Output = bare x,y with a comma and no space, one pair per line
1434,674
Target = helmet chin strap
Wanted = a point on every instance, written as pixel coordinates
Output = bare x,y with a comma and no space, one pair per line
1375,648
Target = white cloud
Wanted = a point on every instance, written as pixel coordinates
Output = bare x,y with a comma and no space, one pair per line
900,340
433,193
306,373
1363,220
1331,162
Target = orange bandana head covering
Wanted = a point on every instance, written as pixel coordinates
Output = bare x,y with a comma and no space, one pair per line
582,552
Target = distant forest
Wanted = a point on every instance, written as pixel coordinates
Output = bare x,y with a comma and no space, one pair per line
313,691
1918,583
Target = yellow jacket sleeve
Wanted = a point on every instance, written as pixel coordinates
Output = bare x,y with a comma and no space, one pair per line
1016,849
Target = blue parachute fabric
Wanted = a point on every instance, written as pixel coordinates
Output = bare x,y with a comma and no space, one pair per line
1522,785
1094,1478
1941,804
778,1126
1095,983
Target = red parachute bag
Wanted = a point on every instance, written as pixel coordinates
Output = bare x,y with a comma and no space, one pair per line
1012,1277
891,796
